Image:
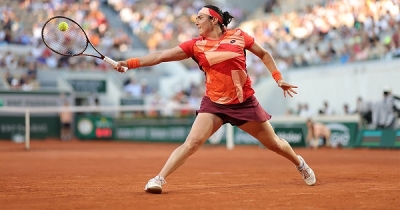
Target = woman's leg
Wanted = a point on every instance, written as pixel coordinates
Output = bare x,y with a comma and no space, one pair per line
203,127
264,133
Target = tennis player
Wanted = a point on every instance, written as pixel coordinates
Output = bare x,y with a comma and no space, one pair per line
229,97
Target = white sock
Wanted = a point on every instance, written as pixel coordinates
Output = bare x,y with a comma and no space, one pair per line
301,165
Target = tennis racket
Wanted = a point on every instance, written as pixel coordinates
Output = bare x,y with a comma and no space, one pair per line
71,42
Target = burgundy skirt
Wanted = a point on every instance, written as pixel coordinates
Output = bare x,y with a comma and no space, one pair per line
249,110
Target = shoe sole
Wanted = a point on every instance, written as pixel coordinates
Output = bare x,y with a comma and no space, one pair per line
312,184
154,190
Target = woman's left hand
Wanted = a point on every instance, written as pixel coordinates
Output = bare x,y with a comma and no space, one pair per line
287,88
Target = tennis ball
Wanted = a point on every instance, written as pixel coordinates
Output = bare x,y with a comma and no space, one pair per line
63,26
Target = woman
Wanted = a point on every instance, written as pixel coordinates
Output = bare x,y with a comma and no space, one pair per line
229,97
317,132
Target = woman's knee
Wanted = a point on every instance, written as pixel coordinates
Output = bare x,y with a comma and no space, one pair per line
191,145
278,145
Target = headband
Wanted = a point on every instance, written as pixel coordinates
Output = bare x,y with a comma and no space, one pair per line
211,13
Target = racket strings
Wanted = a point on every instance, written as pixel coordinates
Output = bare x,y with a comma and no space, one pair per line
71,42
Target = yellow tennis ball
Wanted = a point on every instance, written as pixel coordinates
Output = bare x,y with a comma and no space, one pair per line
63,26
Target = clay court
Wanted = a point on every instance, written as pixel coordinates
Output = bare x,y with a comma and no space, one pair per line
112,175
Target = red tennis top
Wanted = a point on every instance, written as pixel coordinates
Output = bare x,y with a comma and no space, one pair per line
224,64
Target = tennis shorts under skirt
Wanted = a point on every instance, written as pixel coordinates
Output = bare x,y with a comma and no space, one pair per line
236,114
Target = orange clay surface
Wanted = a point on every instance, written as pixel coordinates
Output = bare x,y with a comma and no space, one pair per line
112,175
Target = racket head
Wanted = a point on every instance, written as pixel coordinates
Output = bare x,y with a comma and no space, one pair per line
72,42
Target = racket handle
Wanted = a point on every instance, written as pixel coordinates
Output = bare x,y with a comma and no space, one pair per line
113,63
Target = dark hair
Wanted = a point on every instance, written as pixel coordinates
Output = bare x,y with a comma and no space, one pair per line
226,17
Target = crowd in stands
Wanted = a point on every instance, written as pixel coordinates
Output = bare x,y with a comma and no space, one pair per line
164,24
85,12
21,24
339,31
26,81
335,32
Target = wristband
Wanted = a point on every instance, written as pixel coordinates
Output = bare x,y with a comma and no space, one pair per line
277,75
133,63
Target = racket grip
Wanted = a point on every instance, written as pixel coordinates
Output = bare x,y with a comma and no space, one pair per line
113,63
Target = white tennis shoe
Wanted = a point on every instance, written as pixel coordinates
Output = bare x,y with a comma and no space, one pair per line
307,173
154,185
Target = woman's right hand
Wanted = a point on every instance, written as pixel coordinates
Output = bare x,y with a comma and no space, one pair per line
121,66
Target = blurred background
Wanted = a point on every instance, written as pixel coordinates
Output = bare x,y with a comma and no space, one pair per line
343,55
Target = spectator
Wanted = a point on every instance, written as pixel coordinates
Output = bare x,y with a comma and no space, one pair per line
327,110
171,107
133,88
93,99
299,109
305,111
32,71
145,88
8,77
364,109
384,115
346,109
156,101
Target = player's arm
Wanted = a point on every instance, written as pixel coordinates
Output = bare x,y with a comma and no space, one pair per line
269,62
153,58
265,56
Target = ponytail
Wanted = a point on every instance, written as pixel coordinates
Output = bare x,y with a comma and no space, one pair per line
226,17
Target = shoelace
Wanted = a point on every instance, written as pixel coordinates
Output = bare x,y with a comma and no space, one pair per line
304,173
158,180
